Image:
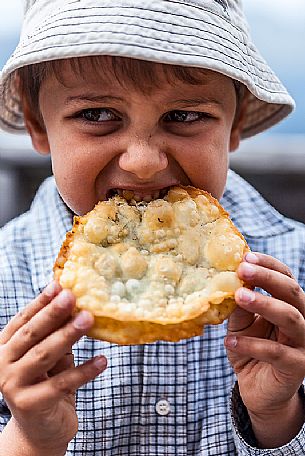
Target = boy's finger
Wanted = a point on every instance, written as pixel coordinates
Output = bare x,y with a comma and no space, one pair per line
25,315
40,326
44,356
65,363
277,284
240,320
65,383
286,317
286,359
268,262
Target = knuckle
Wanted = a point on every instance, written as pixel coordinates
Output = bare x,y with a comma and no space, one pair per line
63,386
22,403
70,332
278,351
6,385
29,333
288,272
262,299
54,314
294,318
296,290
53,311
57,309
86,373
41,355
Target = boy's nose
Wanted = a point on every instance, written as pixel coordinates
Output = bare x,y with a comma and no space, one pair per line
143,160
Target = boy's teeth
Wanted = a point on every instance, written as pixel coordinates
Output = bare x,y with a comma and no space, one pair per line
148,198
130,194
127,194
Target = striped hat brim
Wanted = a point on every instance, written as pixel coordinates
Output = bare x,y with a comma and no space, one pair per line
211,34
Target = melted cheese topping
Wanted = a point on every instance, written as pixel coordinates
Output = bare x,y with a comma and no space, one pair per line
165,261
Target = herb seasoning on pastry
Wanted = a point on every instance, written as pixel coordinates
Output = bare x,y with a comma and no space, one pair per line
153,271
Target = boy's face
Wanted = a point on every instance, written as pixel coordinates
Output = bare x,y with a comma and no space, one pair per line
105,135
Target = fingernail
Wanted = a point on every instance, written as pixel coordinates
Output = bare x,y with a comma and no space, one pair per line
246,295
83,320
64,300
251,258
248,270
100,362
52,288
230,341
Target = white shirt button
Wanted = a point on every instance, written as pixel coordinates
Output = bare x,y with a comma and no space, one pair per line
163,407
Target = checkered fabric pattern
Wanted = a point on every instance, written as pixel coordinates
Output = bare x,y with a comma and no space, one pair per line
118,412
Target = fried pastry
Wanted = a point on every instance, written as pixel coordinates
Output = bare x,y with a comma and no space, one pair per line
153,271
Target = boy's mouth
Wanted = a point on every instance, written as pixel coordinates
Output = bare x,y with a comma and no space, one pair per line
138,194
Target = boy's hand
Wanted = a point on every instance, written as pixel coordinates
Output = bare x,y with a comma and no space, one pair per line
266,341
38,378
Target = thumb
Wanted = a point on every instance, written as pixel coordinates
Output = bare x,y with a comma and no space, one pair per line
240,320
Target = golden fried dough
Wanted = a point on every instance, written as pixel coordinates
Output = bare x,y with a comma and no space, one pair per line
153,271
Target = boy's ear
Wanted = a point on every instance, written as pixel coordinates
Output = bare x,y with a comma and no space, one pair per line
36,129
238,123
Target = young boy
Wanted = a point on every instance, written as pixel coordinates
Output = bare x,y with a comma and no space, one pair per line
143,95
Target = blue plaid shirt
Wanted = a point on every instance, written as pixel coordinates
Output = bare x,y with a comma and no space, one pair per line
119,412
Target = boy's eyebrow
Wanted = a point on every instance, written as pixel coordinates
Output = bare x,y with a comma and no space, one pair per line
90,97
198,101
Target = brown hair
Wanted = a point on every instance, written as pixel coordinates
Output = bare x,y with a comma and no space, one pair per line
129,72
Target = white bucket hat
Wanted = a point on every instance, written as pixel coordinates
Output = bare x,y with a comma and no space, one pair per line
211,34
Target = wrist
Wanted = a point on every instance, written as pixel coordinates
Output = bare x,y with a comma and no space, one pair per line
292,406
278,426
15,443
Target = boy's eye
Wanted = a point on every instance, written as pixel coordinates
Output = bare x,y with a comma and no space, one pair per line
184,116
98,115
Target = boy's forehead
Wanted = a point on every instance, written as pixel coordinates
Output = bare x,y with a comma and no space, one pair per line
105,72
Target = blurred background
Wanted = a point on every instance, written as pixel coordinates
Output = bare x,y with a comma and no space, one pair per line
274,162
